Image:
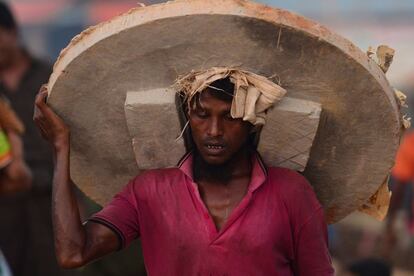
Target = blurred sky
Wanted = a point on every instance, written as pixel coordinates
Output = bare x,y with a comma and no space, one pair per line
341,6
49,25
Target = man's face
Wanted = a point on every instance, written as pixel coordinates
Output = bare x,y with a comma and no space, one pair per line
217,136
8,46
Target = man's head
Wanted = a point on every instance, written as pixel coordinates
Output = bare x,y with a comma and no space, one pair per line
9,42
217,136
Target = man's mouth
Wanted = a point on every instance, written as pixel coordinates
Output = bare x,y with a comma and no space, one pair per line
215,149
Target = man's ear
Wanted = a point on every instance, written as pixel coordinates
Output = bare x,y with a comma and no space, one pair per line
254,137
255,129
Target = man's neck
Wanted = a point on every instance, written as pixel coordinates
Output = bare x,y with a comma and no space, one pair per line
239,166
223,188
12,74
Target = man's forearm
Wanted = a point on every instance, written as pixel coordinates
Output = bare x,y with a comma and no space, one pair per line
70,234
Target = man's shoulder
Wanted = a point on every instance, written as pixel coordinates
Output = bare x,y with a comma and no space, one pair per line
287,179
158,174
156,180
291,186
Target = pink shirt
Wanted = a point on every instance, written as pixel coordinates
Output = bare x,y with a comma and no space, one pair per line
277,229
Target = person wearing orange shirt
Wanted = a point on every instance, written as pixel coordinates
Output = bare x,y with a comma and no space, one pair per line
401,184
403,175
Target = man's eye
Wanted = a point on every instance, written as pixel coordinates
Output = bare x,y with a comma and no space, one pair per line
201,114
228,117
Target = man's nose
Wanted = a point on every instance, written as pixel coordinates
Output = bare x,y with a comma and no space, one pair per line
215,127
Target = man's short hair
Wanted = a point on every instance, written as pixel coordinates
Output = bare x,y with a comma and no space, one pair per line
224,88
7,20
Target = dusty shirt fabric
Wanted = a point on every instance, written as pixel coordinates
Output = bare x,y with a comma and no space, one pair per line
277,229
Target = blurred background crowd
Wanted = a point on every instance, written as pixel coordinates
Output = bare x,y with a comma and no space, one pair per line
359,244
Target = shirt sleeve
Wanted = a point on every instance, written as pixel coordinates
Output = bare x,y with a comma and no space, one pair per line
312,253
121,215
309,230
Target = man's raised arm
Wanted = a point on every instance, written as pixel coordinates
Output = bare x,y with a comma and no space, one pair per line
75,244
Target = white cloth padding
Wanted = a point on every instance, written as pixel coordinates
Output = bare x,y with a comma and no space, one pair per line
253,94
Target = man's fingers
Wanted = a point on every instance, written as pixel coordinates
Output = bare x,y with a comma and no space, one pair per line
41,98
41,107
43,127
38,107
51,126
43,132
43,88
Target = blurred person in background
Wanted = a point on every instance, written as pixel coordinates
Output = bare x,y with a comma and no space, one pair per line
26,228
15,176
368,267
402,196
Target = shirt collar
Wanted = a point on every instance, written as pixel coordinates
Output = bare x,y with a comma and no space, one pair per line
186,165
258,177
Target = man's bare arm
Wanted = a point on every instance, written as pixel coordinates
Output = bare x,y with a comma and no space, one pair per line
75,244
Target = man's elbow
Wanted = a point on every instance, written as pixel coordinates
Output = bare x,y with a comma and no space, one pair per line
70,262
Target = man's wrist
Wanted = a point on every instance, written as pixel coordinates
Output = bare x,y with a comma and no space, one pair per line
61,146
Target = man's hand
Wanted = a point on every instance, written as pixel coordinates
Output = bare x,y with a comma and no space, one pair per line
51,126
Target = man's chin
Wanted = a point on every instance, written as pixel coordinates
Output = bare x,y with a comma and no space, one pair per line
214,160
211,167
